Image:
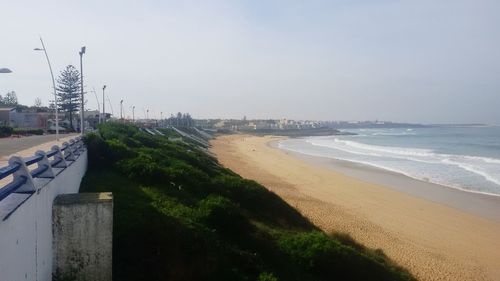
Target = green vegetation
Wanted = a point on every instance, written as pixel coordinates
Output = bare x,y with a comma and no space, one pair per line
6,131
179,215
28,131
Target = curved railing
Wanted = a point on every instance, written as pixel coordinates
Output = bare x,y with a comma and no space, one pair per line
49,164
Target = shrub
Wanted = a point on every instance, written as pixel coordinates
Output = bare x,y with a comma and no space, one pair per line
224,216
142,167
323,256
28,131
267,276
96,149
6,131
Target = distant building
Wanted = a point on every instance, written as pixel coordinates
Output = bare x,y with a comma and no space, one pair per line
5,115
35,120
91,118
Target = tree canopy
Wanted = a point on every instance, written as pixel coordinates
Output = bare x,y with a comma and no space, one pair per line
68,87
10,99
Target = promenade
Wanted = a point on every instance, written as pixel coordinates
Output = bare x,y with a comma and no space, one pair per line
27,146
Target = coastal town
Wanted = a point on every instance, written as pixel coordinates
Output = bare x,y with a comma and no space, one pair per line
38,119
249,140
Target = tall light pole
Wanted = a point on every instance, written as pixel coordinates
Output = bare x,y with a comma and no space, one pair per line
98,104
133,114
121,110
53,86
147,114
103,103
82,115
110,105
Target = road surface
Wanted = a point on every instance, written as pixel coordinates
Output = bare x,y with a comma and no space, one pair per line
10,146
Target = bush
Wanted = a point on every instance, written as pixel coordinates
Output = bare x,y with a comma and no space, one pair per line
28,131
141,167
224,216
6,131
323,256
266,276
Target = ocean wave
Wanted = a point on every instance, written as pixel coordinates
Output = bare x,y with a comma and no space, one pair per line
475,170
400,159
366,148
393,134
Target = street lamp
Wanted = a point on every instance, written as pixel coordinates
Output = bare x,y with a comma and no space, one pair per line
98,104
82,128
103,104
121,110
133,114
110,105
53,86
5,70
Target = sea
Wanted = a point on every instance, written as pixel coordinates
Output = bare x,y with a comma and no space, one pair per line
461,157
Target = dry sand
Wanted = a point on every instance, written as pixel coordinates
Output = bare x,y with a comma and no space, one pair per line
434,241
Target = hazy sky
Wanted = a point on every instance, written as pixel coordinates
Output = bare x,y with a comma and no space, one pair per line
416,61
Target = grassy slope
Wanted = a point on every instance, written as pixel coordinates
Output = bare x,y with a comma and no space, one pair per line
181,216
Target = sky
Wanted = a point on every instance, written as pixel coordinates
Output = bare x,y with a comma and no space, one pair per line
404,61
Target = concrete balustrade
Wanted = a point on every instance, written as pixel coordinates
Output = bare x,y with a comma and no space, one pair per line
26,203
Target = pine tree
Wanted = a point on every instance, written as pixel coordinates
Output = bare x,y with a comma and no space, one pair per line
38,103
10,99
68,88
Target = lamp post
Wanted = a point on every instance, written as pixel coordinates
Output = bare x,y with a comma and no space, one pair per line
98,104
53,86
121,110
110,105
82,128
147,114
103,103
133,114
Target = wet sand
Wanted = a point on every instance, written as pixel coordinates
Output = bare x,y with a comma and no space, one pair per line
436,232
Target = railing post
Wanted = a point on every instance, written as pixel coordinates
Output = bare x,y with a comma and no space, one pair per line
59,160
44,165
80,145
22,174
68,152
74,148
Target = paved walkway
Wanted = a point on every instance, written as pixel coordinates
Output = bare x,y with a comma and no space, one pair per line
27,146
9,146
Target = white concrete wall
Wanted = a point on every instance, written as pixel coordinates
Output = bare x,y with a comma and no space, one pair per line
83,236
26,239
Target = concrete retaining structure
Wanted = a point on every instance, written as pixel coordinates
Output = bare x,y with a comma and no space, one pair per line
83,236
26,238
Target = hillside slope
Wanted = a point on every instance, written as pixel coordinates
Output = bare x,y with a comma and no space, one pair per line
179,215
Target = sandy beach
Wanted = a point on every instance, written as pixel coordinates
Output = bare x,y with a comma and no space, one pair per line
436,232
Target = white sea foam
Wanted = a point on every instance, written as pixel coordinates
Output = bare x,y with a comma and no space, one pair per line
392,134
361,148
458,171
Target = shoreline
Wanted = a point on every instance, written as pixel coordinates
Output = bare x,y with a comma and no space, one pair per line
475,203
432,239
371,166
